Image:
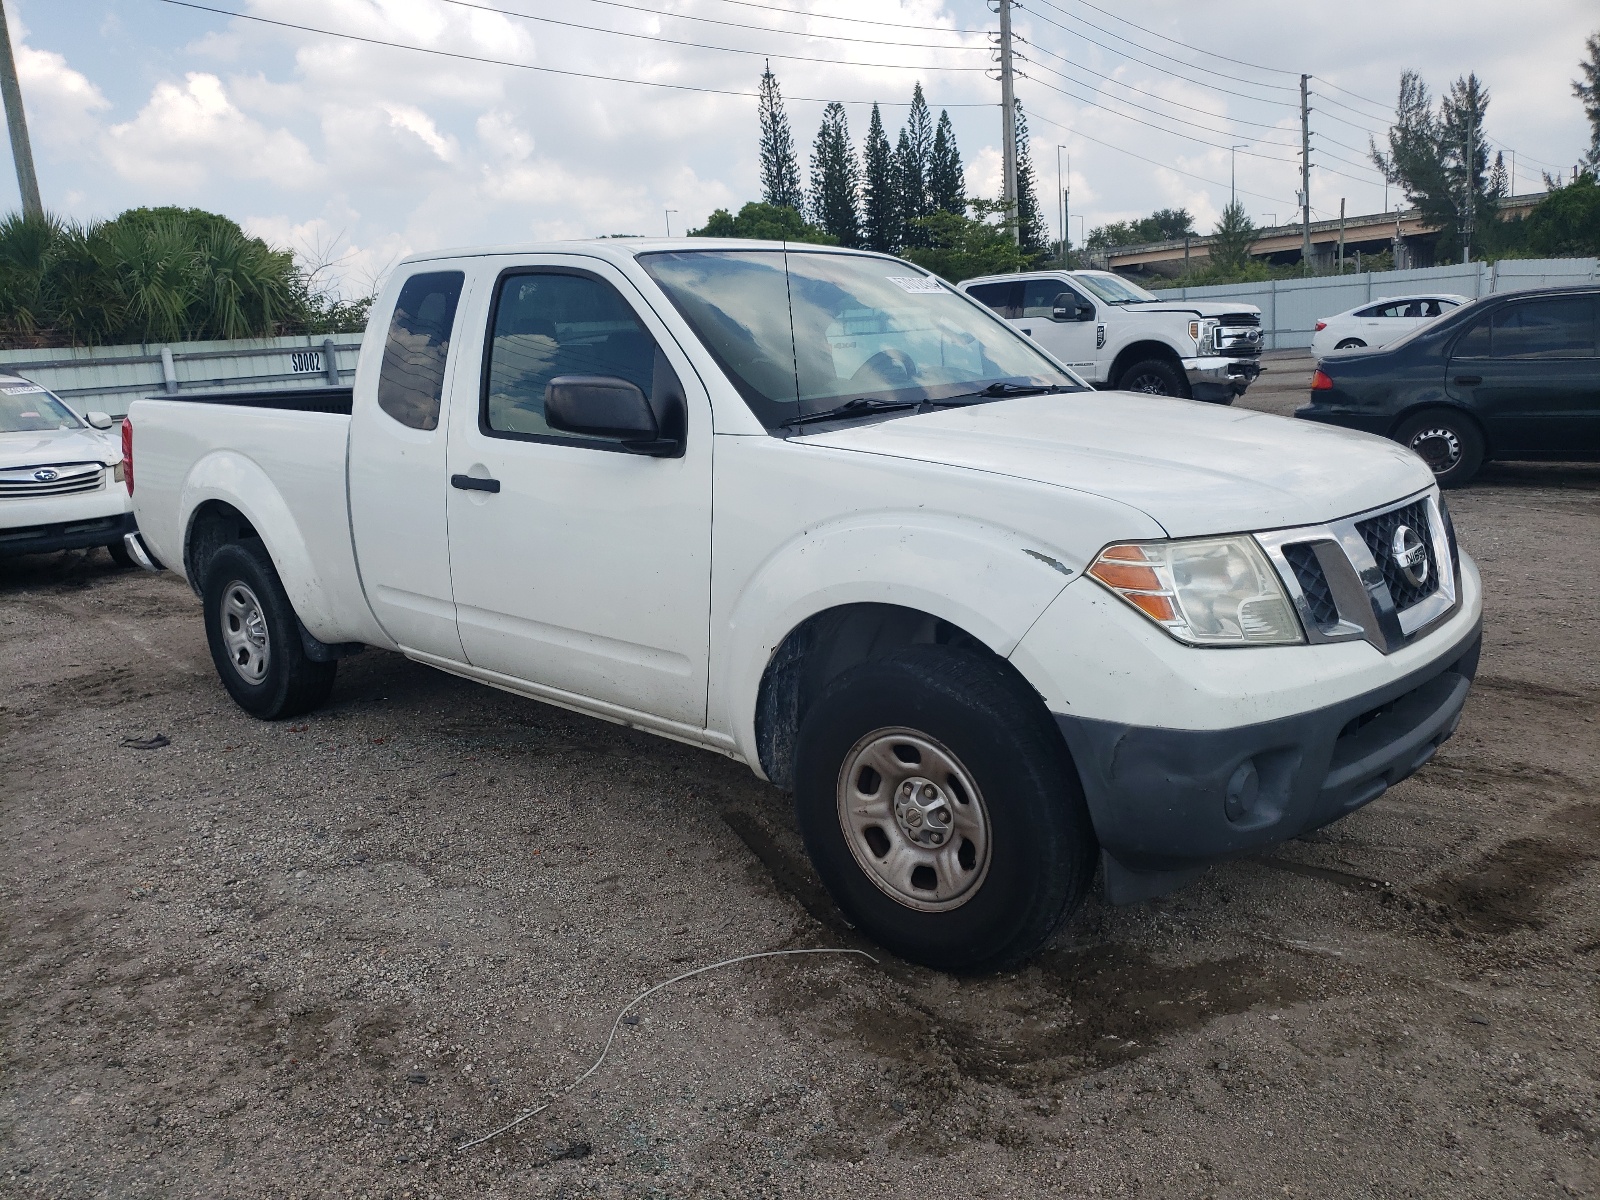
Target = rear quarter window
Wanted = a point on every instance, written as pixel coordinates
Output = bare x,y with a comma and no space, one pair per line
411,379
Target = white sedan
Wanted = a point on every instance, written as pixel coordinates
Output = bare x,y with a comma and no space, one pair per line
1379,322
61,476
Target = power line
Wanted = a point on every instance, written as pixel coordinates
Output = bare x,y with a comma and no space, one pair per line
831,37
1141,92
1142,158
521,66
795,12
652,37
1277,87
1208,53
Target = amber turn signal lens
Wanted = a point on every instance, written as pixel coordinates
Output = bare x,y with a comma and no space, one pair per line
1320,381
1119,576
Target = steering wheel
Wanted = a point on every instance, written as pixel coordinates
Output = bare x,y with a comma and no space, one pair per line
891,366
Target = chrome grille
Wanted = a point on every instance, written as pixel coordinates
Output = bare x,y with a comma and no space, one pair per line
1378,532
1241,320
1346,584
51,480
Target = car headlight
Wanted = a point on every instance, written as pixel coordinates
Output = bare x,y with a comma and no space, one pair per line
1204,333
1203,591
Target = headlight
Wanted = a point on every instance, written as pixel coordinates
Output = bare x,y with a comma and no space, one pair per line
1203,591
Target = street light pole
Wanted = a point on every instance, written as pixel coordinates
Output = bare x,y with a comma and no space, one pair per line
1233,174
1064,191
669,212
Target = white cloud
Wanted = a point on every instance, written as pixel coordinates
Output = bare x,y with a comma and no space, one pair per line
62,103
415,121
185,134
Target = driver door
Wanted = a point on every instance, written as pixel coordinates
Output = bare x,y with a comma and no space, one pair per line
579,567
1072,341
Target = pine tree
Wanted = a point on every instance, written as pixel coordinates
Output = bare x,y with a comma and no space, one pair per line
881,221
1232,239
908,188
919,163
835,179
1032,234
780,173
1587,90
947,180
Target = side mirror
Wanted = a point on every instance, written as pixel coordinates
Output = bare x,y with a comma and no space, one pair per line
1069,306
99,420
608,407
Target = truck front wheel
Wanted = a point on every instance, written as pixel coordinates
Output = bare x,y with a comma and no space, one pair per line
255,636
1154,377
941,808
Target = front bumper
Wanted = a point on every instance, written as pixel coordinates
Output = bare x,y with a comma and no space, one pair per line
1364,420
1217,378
66,535
1168,802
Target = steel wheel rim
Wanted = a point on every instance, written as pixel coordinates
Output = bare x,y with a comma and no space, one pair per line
1150,385
1439,448
244,632
914,819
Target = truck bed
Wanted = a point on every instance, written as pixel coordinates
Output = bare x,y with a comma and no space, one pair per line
279,459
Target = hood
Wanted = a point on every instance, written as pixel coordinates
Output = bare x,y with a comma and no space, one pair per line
1197,308
47,447
1194,468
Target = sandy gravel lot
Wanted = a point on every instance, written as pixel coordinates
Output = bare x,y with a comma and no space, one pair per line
310,959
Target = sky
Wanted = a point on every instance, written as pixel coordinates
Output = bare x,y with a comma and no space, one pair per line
355,154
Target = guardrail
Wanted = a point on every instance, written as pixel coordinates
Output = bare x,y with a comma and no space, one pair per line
109,378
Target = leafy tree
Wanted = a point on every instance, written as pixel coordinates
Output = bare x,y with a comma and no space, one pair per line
1031,230
960,247
1231,240
1566,222
780,173
154,274
880,198
947,180
835,179
1587,90
1163,225
1440,158
765,222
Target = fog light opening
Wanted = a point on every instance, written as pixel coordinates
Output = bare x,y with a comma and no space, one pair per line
1244,786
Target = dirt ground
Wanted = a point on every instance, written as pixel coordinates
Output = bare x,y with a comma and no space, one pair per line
311,959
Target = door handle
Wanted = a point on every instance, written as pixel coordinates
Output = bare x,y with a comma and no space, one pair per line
1028,332
471,483
1469,380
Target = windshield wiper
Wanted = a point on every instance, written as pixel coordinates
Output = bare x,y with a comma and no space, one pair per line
999,390
861,406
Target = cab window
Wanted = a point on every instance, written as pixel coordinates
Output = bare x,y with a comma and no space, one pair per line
547,324
1039,296
1004,298
411,378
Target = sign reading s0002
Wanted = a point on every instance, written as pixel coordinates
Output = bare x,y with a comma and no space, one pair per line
306,360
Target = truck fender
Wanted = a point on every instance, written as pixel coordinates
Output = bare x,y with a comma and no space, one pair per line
991,582
236,480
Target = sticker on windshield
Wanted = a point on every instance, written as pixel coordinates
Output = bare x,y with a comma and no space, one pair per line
21,389
917,283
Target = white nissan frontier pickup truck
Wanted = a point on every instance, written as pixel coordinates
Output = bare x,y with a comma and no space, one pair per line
817,511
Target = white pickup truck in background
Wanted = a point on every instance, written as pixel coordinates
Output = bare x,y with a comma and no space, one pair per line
814,510
1117,335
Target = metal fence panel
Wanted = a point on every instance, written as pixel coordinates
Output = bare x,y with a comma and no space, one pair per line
109,378
1290,308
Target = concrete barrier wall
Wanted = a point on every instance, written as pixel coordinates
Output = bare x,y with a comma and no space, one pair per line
1290,308
109,378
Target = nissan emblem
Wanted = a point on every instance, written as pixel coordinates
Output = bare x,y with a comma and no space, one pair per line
1410,555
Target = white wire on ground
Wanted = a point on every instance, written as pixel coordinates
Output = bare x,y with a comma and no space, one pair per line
616,1024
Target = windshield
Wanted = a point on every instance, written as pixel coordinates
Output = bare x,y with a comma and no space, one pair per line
28,408
802,332
1114,289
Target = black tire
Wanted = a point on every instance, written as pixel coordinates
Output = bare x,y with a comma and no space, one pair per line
240,585
119,554
1449,441
1040,847
1154,377
1351,344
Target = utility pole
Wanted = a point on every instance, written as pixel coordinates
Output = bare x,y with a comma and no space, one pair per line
1061,207
1008,122
1469,178
1305,173
1341,235
17,123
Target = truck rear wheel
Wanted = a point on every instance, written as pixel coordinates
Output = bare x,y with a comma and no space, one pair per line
1154,377
255,636
941,808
